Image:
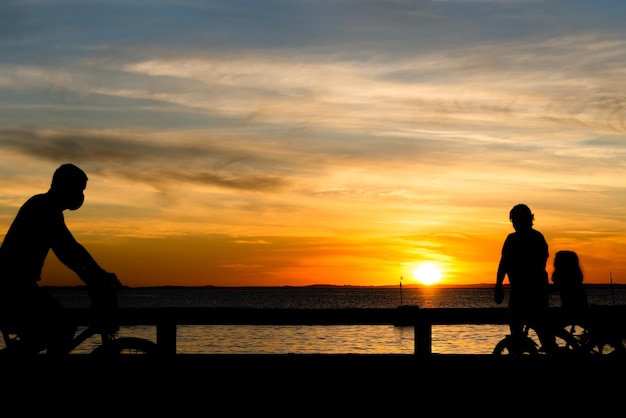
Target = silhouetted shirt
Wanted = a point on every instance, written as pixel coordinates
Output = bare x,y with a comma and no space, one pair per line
524,257
38,227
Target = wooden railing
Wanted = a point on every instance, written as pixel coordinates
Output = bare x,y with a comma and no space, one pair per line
166,320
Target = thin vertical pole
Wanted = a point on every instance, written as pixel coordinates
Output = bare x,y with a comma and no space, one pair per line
612,294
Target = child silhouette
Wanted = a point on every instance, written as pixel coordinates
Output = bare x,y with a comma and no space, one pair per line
568,280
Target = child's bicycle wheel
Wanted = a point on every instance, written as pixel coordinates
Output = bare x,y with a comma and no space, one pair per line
608,348
598,342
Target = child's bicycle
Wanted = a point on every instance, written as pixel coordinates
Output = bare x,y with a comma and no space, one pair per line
103,323
599,333
595,336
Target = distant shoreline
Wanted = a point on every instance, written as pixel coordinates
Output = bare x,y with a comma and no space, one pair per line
331,286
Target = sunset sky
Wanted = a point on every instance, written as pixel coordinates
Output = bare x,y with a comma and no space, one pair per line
298,142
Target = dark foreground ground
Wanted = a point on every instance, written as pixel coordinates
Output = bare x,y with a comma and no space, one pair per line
314,385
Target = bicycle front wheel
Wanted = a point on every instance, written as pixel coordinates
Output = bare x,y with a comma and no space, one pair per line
126,346
506,346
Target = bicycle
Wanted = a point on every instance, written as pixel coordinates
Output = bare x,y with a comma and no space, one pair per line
103,323
598,333
594,336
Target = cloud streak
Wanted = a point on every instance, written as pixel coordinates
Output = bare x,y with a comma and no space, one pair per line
346,121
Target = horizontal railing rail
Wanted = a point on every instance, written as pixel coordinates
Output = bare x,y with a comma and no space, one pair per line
167,319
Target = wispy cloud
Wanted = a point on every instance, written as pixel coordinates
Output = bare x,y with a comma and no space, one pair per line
350,120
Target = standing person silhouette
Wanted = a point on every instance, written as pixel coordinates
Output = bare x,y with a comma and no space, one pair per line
40,321
523,260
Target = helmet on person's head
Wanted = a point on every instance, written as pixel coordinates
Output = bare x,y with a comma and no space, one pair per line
521,215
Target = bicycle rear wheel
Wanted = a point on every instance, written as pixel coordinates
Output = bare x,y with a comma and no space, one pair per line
126,346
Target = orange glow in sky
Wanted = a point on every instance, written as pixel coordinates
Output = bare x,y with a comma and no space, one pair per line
319,143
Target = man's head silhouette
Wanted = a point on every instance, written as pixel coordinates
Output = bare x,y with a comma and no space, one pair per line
68,184
521,216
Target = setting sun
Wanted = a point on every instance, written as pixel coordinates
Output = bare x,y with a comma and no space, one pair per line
427,273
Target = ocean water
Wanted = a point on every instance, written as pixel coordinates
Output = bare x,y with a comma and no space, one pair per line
357,339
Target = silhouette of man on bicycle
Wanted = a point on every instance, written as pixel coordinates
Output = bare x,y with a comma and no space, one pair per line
523,260
41,321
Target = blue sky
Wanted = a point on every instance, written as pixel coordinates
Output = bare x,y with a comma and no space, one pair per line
307,141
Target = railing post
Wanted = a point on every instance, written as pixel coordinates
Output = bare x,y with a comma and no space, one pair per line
423,336
412,315
166,337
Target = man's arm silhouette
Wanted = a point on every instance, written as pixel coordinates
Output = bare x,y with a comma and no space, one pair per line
76,257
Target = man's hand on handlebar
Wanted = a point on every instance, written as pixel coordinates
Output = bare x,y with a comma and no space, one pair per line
112,279
102,288
103,279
